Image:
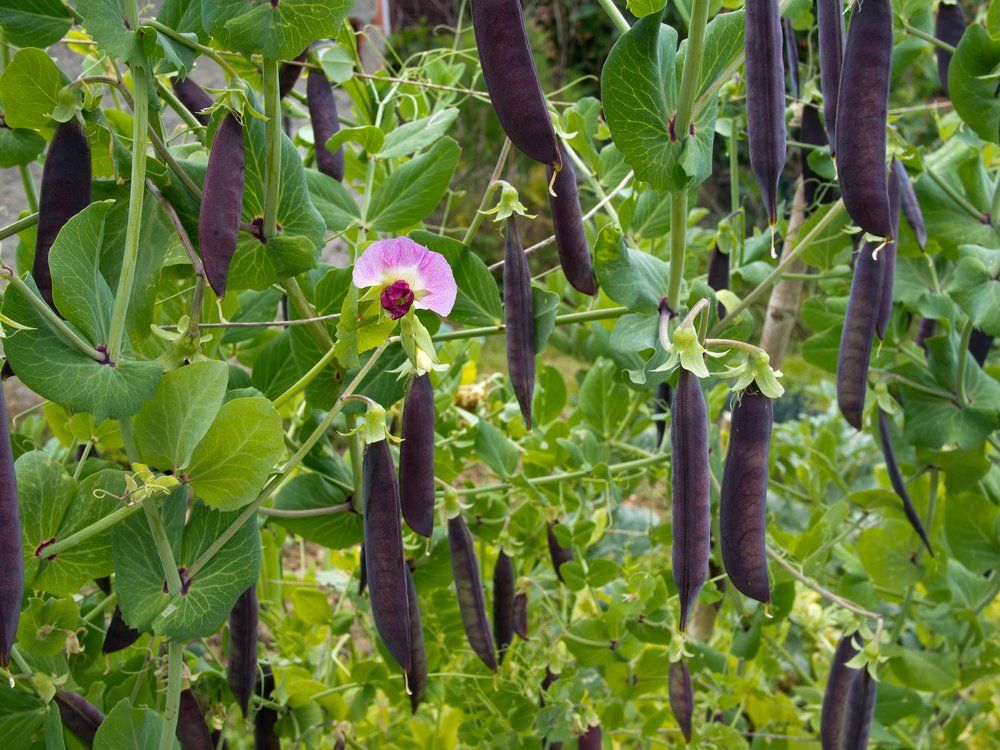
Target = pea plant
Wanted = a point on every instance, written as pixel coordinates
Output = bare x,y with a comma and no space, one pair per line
272,480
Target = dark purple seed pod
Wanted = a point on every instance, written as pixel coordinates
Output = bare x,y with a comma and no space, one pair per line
65,192
417,677
949,26
909,203
743,498
591,739
925,330
521,616
718,273
503,603
765,99
859,711
384,553
222,202
264,721
814,187
119,635
81,717
856,339
830,21
288,74
980,344
193,97
416,456
835,697
512,80
243,630
567,222
896,479
862,109
362,573
661,405
791,56
519,313
690,502
192,732
11,559
681,695
887,259
560,555
325,123
468,587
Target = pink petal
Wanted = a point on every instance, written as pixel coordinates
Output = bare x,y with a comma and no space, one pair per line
427,272
437,287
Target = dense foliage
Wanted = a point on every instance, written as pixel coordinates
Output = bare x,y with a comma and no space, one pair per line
731,478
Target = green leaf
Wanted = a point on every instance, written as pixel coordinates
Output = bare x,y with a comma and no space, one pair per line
30,86
410,193
496,450
58,371
19,146
630,277
44,491
230,464
975,286
972,528
417,135
279,30
603,400
105,21
949,224
887,551
478,300
337,64
332,200
180,412
930,671
21,717
44,625
544,307
640,8
34,23
308,491
972,81
128,726
550,395
368,137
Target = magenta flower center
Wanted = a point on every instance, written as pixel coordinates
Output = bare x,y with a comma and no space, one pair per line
397,298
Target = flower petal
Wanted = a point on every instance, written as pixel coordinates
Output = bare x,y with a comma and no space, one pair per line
383,259
437,289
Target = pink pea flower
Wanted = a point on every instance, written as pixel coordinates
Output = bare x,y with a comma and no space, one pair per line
408,275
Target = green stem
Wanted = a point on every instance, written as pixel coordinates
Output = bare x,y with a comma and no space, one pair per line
167,94
786,261
477,218
963,360
30,194
956,196
272,147
301,384
192,44
103,606
71,336
19,226
302,308
904,610
137,189
251,510
734,187
920,34
87,532
678,247
605,313
357,458
548,479
171,706
691,75
928,389
308,512
615,15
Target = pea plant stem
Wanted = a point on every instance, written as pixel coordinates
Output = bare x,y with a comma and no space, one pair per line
328,510
604,313
183,112
192,44
678,246
137,189
19,226
963,361
956,196
60,326
175,662
619,20
87,532
301,384
272,146
477,218
920,34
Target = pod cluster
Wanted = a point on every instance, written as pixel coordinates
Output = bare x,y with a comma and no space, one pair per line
848,702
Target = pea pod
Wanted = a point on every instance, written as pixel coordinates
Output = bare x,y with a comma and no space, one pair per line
65,192
416,456
384,552
193,97
862,109
887,258
503,603
519,313
681,694
591,739
119,635
11,559
859,711
856,339
830,22
896,479
325,123
949,26
567,222
765,99
661,405
521,616
690,502
192,732
512,79
243,632
742,500
288,74
362,573
909,203
417,677
560,555
835,697
718,270
81,717
264,721
222,202
980,344
791,56
468,587
925,329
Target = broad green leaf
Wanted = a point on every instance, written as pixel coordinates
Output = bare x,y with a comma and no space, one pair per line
949,224
34,23
930,671
496,450
230,464
410,193
603,400
279,30
44,625
972,81
332,200
640,8
337,63
478,300
276,369
105,21
544,307
972,528
21,717
630,277
416,135
550,395
30,86
128,726
975,286
44,492
309,491
887,551
368,137
19,146
180,412
56,370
